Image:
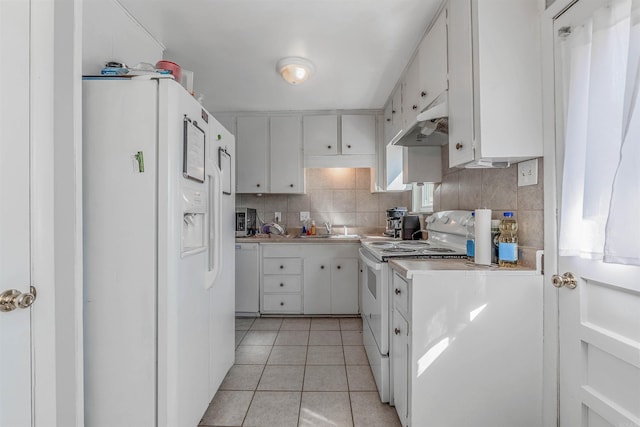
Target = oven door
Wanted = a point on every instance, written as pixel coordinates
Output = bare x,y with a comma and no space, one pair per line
375,298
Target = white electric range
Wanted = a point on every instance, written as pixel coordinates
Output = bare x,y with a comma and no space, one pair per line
446,240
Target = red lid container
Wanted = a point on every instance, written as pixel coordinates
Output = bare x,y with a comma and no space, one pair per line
175,69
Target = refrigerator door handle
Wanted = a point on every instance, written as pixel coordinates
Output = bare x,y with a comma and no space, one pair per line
215,212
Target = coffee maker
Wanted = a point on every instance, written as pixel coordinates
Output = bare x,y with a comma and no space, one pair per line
394,221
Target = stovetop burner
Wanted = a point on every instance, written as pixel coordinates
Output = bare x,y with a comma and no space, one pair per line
442,250
413,244
396,249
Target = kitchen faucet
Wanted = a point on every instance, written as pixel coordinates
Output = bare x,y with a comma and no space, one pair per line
327,225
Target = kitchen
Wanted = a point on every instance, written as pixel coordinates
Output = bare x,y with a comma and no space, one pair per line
113,30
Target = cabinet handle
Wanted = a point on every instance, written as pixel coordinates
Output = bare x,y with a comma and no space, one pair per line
393,111
339,267
414,107
257,185
459,146
281,303
282,267
281,285
328,147
291,185
396,331
348,146
388,120
423,94
361,271
398,292
322,267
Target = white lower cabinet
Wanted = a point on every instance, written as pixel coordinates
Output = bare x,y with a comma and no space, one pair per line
466,346
280,287
330,285
312,278
400,365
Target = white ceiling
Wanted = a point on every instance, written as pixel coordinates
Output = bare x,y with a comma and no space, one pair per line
359,47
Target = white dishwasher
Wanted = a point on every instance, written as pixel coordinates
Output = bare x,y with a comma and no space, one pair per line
247,279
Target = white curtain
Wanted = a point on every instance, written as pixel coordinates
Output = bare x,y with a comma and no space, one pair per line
601,175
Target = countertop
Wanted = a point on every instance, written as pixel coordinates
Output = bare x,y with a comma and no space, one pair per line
409,268
270,238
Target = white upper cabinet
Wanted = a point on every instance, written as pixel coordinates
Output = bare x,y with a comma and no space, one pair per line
320,135
495,107
358,134
396,110
411,94
432,56
252,154
340,141
269,154
286,154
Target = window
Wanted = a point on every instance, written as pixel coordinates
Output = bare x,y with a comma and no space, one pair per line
423,197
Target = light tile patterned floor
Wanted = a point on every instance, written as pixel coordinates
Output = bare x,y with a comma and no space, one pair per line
299,372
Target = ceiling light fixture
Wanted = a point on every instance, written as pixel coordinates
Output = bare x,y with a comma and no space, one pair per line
295,70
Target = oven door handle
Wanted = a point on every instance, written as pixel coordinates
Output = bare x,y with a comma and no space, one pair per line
366,258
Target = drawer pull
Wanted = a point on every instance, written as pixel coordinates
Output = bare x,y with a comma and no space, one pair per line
459,146
339,267
398,291
329,147
396,331
281,303
281,284
282,267
322,267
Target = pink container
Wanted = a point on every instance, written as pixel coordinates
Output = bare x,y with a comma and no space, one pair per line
175,69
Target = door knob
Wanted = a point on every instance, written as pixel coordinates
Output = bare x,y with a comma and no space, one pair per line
13,299
567,279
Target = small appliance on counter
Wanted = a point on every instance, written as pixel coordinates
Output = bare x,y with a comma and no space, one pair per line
394,221
410,227
246,220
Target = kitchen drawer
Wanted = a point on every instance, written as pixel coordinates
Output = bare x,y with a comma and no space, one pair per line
282,284
282,266
282,303
400,292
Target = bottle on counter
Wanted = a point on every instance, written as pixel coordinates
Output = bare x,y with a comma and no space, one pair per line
308,229
495,234
313,228
508,241
471,244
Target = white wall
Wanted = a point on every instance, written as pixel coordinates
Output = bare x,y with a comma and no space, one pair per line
112,34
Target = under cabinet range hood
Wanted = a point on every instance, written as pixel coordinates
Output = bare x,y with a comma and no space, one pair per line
431,126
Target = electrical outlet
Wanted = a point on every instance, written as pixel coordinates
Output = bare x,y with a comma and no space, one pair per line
528,173
278,217
305,216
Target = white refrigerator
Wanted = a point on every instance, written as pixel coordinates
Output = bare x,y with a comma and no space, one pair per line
158,218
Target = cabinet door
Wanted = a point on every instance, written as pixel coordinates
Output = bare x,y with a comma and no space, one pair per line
252,150
396,110
344,286
320,135
461,115
358,134
317,285
400,366
411,95
388,123
286,155
433,62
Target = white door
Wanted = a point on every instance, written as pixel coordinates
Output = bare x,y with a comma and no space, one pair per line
599,320
15,266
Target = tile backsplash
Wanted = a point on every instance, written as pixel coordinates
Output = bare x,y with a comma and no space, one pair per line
341,196
496,189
